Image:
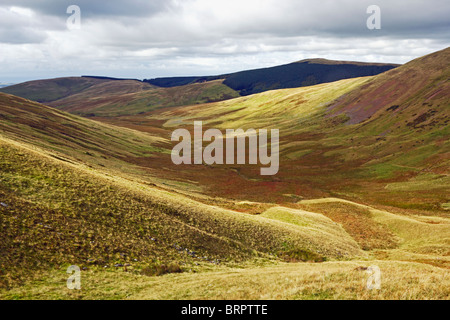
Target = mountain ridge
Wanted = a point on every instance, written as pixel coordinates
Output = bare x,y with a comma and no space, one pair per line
292,75
61,92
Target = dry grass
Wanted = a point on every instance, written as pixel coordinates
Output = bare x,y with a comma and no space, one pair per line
328,280
60,212
333,280
357,221
419,238
317,228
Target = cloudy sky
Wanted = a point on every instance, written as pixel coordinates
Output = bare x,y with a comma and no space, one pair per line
152,38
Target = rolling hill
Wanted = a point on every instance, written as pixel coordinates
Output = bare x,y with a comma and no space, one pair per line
360,137
52,89
103,96
115,98
69,196
363,181
418,90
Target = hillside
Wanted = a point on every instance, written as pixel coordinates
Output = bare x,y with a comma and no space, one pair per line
66,198
298,74
51,89
101,96
397,157
418,90
354,189
116,98
109,97
70,136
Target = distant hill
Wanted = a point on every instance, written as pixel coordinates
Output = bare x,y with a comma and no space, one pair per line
298,74
383,138
109,78
3,85
105,96
51,89
127,97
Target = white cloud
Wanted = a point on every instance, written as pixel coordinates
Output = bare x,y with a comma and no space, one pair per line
145,39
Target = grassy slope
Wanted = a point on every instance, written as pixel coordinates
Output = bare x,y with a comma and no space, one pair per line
278,108
73,210
391,147
60,213
104,97
418,86
414,242
407,272
294,281
405,237
73,138
111,97
144,101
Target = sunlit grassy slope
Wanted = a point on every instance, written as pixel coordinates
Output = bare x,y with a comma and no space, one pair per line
62,210
280,108
72,138
406,273
390,236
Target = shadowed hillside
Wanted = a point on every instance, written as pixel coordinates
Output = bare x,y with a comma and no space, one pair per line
298,74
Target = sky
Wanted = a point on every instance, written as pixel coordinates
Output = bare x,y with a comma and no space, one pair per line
153,38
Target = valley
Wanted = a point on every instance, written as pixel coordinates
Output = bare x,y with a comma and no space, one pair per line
87,179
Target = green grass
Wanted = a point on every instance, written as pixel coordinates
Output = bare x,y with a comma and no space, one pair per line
76,191
327,147
280,107
109,98
63,213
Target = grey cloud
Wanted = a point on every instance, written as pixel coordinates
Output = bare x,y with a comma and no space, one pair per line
213,35
95,8
183,22
191,24
21,36
19,29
